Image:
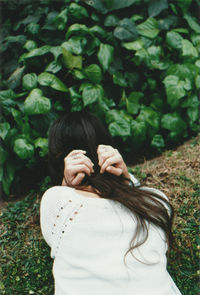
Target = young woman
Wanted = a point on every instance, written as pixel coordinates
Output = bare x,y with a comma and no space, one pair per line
107,236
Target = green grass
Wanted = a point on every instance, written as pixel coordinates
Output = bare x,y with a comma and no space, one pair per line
25,264
25,258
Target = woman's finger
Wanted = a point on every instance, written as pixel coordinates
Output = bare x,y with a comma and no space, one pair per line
102,147
74,152
78,179
78,168
103,156
114,170
82,161
109,162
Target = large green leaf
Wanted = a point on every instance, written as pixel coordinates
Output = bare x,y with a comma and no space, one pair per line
138,130
197,63
91,93
119,123
56,51
42,144
8,176
29,81
188,48
174,40
183,71
192,104
153,60
155,7
107,5
23,148
75,44
119,79
197,82
79,29
99,31
16,39
193,114
91,46
174,122
61,19
175,89
36,103
7,94
33,29
116,4
192,23
30,45
149,28
35,52
71,61
78,74
93,72
151,118
4,129
17,117
158,142
111,21
77,11
53,67
7,99
75,99
120,128
151,83
98,5
113,115
133,102
15,78
158,104
47,79
126,30
105,55
135,45
184,4
3,155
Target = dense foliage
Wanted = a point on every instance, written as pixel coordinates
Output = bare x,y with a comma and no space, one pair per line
135,63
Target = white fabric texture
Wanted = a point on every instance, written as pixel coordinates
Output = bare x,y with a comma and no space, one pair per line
89,238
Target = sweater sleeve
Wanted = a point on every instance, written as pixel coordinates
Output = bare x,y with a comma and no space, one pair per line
158,192
134,180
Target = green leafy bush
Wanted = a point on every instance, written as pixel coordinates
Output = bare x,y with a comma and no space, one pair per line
134,63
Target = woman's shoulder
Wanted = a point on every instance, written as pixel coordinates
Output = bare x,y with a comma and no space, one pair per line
57,189
55,194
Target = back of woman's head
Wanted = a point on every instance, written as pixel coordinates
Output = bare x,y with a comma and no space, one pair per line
77,130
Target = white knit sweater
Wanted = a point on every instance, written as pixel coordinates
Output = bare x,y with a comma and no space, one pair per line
89,238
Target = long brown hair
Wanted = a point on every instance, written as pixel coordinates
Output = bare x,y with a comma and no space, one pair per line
82,130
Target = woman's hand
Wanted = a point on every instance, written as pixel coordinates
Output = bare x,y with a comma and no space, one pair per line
111,161
76,165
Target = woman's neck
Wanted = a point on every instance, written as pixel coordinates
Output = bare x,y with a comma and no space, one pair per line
87,191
